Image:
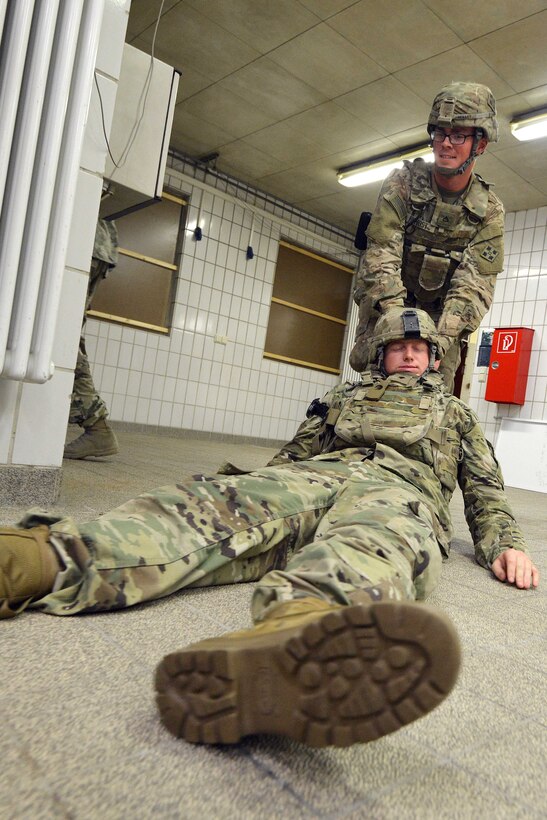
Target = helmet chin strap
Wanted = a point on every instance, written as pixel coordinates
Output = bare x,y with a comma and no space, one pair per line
461,169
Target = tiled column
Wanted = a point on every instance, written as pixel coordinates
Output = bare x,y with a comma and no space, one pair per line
33,417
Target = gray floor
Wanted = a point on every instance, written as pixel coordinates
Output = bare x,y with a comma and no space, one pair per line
81,739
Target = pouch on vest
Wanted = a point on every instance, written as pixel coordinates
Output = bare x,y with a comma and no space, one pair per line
359,423
433,271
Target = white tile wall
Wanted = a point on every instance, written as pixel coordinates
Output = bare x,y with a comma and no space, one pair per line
520,300
188,379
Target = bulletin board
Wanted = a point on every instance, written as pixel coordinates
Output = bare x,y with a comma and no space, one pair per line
521,449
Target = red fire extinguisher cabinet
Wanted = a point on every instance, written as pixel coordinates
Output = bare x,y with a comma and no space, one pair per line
509,364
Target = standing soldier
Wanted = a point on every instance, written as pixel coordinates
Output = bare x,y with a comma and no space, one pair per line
87,409
435,240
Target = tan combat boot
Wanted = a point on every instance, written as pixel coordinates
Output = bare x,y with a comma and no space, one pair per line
318,673
28,568
96,440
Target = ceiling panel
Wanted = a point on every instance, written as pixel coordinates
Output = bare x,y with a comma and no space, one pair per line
517,52
509,185
326,8
334,128
284,142
247,162
298,184
387,105
461,63
541,184
289,91
526,160
327,61
535,97
349,203
272,89
470,19
189,128
186,37
216,106
262,24
143,14
190,82
395,33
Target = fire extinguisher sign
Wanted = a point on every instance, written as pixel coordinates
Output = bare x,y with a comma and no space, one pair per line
507,342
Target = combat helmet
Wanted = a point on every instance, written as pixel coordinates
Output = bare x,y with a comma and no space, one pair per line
403,323
470,105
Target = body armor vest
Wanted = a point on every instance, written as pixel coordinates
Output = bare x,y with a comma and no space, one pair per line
436,235
400,413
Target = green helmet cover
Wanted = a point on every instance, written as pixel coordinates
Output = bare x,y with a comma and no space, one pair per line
403,323
471,105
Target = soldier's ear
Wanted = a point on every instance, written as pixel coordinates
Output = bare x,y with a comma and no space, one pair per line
481,147
437,364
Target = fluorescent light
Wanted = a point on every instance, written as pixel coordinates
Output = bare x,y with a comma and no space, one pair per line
531,128
372,171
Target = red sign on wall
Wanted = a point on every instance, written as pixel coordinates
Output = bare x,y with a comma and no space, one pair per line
507,341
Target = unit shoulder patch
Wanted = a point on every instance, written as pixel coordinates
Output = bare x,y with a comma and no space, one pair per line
490,253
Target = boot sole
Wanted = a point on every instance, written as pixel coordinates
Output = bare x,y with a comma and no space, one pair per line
111,452
351,676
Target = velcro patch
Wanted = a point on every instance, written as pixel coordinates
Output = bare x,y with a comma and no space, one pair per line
489,253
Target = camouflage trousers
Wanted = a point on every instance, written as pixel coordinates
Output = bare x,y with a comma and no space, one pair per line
341,530
86,406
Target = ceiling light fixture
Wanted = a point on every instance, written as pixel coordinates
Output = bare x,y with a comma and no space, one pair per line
530,127
375,169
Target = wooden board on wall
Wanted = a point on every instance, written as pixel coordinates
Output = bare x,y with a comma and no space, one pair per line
136,290
317,340
305,279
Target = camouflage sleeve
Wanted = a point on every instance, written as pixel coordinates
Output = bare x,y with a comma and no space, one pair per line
105,246
474,280
487,509
300,447
379,275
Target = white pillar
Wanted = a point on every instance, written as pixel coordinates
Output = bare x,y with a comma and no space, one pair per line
33,417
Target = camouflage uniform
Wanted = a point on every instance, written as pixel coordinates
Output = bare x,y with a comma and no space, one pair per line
86,406
431,249
426,253
354,508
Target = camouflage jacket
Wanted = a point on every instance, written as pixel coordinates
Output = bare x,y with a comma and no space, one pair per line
415,429
423,252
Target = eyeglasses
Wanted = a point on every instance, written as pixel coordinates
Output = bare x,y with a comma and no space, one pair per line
455,139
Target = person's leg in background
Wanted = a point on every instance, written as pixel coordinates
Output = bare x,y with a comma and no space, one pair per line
87,409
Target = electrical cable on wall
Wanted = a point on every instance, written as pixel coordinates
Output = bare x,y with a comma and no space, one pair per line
250,252
141,104
197,231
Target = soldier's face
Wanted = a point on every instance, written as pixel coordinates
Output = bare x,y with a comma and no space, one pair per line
452,156
407,356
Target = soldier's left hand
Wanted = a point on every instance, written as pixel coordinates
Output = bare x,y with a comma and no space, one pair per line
444,343
515,567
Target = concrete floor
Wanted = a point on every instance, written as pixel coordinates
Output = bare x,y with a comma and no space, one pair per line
81,738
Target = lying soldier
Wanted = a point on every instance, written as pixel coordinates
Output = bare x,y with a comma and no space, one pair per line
344,530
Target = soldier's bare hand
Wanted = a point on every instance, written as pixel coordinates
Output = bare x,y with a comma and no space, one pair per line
515,567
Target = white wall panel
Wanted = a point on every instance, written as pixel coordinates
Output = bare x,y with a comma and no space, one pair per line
42,421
